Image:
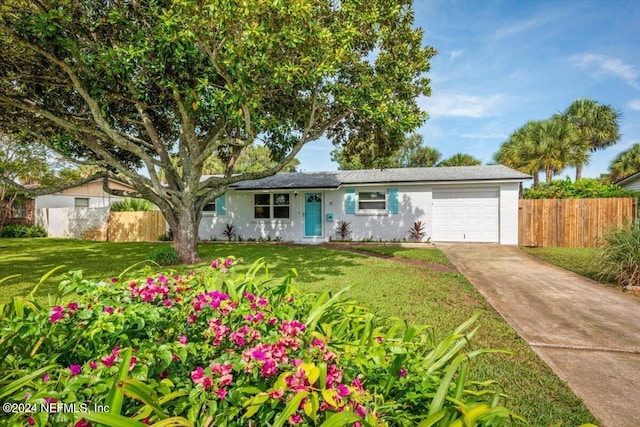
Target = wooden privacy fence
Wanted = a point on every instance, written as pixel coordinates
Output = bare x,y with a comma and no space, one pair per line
571,223
136,226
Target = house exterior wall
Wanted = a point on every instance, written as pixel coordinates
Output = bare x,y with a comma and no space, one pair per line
93,191
415,203
632,184
509,196
71,222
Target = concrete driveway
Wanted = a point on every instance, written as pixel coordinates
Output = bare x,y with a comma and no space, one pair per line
587,333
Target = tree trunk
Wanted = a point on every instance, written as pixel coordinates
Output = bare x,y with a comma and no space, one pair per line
578,172
549,176
184,227
536,180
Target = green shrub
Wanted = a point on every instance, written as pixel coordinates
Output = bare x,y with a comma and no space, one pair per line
621,256
164,255
133,205
218,348
20,230
585,188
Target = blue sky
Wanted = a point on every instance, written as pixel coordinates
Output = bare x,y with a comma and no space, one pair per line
503,63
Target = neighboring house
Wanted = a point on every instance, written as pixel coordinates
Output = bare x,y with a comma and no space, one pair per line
89,195
21,211
79,210
631,182
457,204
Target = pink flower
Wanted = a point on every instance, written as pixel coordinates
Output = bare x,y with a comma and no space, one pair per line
228,262
258,354
402,373
93,365
116,351
192,318
108,309
379,339
168,303
343,390
114,280
31,421
133,362
276,394
164,374
197,376
108,360
207,383
72,306
269,369
222,393
57,313
82,423
225,380
182,339
45,378
359,410
75,370
295,419
215,264
262,302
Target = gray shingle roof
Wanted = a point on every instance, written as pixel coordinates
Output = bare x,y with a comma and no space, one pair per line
334,179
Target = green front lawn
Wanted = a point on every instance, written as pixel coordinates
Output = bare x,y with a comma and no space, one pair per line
417,294
584,261
429,255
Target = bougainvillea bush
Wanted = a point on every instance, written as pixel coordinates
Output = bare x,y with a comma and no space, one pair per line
216,347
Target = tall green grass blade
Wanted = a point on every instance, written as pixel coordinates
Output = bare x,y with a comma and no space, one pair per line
16,385
112,420
42,280
341,419
115,398
291,407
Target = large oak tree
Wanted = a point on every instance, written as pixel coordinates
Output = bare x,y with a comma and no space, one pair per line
128,85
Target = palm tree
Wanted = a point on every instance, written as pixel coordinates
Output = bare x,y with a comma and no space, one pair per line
539,145
626,163
424,157
596,127
460,159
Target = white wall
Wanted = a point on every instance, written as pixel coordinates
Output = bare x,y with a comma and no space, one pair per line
66,201
509,195
633,184
414,204
71,222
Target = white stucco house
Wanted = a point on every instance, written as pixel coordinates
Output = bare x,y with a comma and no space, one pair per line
457,204
631,182
88,195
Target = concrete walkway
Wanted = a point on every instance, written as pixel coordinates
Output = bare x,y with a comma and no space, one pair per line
589,334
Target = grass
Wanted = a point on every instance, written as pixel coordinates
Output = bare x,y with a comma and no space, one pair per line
584,261
416,294
429,255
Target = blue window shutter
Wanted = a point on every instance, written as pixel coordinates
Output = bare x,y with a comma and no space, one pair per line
220,207
350,201
393,200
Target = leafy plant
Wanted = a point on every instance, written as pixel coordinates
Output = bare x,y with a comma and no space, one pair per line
416,232
585,188
133,205
343,230
218,348
23,231
621,256
164,255
229,231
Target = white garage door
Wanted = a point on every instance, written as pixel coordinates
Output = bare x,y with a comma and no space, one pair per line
466,215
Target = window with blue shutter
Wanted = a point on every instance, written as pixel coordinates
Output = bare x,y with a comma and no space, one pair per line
350,201
393,201
220,206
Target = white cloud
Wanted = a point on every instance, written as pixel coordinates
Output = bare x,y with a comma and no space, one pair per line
461,105
608,66
634,104
455,54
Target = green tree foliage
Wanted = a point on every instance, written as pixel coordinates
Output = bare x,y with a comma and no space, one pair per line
626,163
586,188
540,145
253,158
409,154
130,85
460,159
596,127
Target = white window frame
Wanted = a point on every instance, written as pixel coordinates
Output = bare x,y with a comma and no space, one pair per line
361,211
271,206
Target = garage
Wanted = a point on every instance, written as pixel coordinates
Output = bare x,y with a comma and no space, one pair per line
466,215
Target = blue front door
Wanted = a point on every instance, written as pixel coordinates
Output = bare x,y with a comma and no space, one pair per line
313,214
